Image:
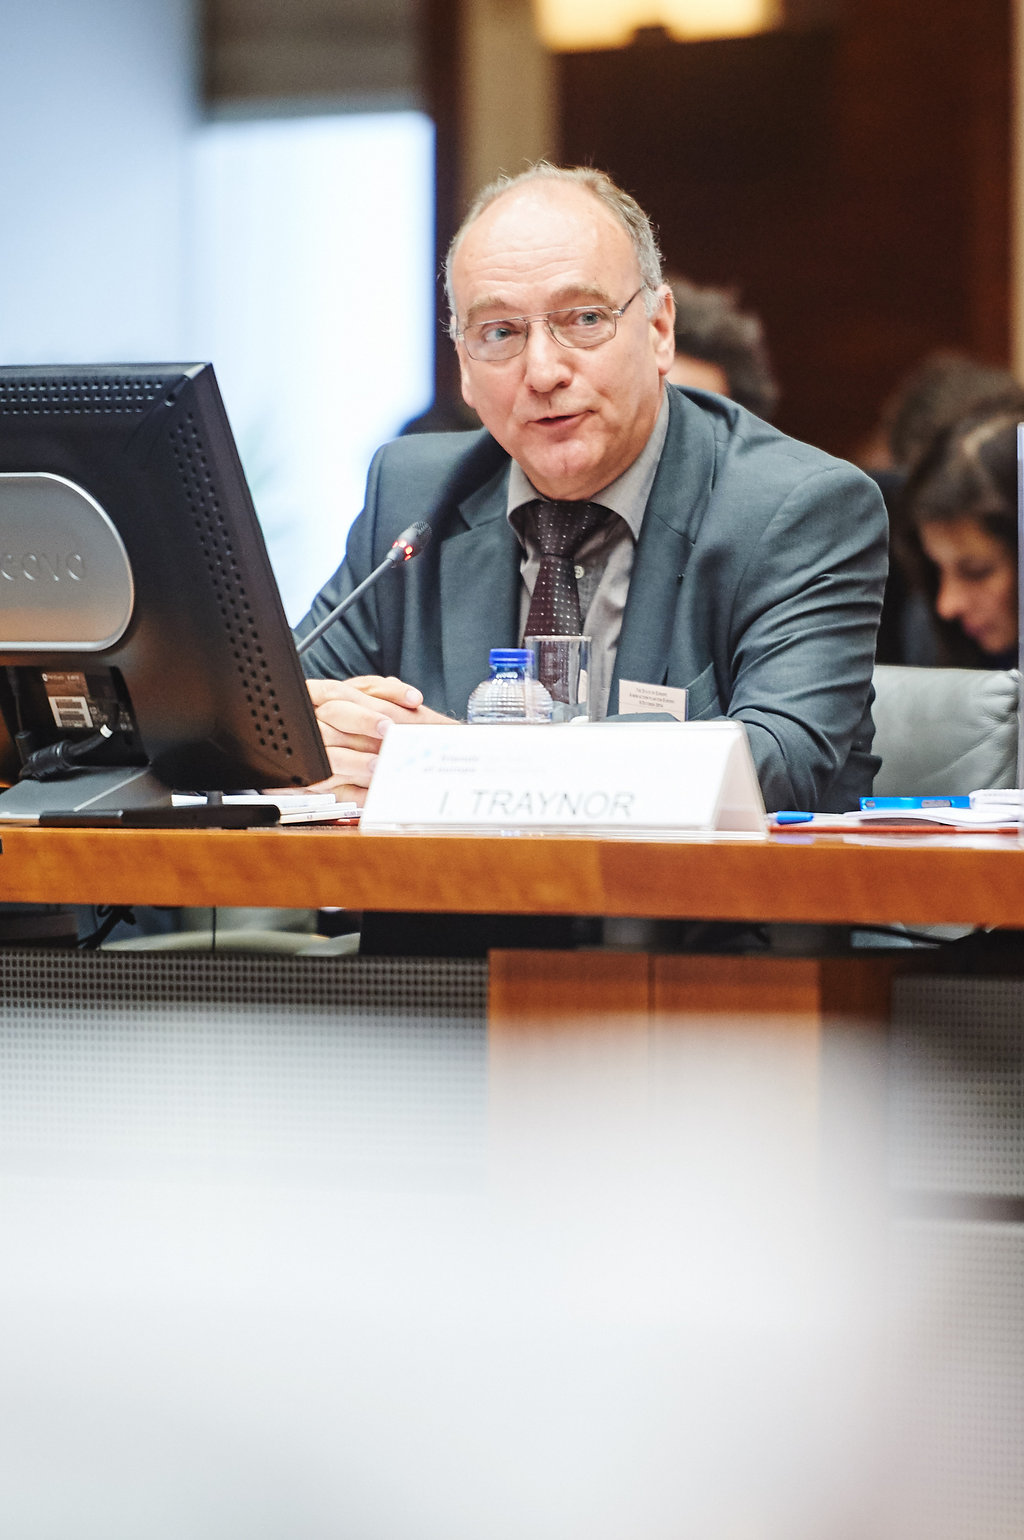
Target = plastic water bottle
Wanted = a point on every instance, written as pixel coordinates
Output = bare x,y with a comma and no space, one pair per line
511,694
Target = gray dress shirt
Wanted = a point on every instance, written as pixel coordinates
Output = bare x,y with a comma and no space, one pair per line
604,562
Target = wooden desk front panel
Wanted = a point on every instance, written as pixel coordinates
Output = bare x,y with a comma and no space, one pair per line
806,879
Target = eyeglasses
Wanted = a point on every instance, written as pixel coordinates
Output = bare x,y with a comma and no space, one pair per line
583,326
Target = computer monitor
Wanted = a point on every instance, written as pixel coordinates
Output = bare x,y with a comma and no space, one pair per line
139,614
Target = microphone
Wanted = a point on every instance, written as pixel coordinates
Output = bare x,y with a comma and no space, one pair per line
409,544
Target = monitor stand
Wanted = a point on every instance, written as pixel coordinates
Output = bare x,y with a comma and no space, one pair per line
97,790
130,795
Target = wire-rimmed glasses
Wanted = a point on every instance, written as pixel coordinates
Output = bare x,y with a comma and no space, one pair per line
581,326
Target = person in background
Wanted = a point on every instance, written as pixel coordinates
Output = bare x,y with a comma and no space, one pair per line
940,390
720,347
943,388
958,536
442,416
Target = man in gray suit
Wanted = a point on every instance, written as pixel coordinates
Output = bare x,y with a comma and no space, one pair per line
709,551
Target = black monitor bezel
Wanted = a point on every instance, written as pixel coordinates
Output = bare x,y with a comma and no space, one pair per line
208,657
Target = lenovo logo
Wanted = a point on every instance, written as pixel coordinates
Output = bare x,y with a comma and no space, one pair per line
42,567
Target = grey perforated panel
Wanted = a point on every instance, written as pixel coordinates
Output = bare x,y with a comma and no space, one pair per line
957,1086
284,1068
957,1362
956,1147
225,578
39,396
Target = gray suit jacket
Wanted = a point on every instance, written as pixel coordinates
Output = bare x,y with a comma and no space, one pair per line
757,585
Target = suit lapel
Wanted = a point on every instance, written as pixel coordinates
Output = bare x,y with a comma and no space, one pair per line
479,590
675,508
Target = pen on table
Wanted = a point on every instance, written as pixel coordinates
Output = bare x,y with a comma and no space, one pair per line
793,817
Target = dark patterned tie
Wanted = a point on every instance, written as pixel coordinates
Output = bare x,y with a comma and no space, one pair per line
561,530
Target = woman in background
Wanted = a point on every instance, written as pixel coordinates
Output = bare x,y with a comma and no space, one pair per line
958,536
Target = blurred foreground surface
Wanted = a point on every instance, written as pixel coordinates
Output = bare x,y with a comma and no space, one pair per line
270,1270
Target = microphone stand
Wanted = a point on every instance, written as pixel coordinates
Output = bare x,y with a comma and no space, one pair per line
409,544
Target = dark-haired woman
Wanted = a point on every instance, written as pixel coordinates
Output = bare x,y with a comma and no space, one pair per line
959,537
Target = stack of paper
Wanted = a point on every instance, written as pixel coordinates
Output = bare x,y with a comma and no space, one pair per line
296,807
980,810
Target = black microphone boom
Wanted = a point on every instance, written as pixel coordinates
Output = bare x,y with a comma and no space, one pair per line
409,544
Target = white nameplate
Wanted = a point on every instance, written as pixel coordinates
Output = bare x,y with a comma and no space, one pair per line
620,778
635,696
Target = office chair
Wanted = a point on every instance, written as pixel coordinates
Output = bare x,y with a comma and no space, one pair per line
945,731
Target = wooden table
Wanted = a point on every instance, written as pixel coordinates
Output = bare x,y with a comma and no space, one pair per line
818,879
625,1050
975,880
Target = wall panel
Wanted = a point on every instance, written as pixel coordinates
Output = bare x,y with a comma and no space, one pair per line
851,181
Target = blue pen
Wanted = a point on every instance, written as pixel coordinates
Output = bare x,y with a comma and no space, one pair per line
793,817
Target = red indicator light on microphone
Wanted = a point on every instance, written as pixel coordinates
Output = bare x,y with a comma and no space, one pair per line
409,544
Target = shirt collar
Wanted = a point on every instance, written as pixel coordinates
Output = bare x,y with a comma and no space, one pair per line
627,495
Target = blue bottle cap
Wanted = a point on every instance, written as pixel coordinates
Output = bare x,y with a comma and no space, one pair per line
511,657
